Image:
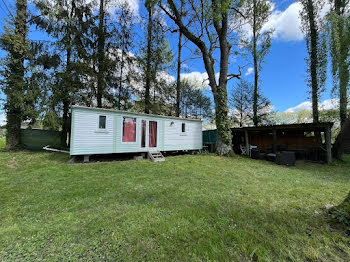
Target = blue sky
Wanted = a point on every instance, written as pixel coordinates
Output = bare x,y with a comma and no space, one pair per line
283,75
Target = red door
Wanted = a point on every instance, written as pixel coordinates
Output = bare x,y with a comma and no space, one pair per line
152,134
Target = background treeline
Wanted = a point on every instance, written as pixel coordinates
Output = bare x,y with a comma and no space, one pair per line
92,53
98,53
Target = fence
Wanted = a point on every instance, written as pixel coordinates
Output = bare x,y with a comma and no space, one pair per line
209,140
36,139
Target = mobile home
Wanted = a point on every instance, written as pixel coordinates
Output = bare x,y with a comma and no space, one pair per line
105,131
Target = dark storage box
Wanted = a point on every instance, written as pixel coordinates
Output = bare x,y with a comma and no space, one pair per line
262,156
254,154
271,157
286,158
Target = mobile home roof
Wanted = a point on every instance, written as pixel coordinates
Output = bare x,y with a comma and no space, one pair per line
133,113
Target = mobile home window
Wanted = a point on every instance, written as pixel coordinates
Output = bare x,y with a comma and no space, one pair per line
129,129
183,128
102,122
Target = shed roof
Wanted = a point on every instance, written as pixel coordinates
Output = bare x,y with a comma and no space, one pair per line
304,126
133,113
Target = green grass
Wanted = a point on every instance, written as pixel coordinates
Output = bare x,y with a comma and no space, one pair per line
2,142
189,208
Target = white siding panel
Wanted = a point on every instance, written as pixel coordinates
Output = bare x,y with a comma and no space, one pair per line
175,139
88,137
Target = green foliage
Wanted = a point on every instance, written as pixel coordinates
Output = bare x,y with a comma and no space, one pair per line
341,213
241,102
257,13
2,141
124,61
193,102
338,29
316,43
52,121
188,208
156,57
67,60
19,96
258,44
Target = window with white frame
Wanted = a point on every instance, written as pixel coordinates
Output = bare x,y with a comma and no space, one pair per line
183,128
102,122
129,129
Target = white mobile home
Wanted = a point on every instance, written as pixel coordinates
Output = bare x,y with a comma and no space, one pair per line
105,131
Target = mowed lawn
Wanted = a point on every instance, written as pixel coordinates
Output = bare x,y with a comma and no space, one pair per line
189,208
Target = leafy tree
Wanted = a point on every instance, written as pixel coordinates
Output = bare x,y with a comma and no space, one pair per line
207,25
101,45
68,22
163,97
242,102
125,61
156,54
149,4
114,37
193,102
14,41
258,44
316,48
178,79
339,38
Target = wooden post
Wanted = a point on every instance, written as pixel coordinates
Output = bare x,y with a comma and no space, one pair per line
247,142
328,140
274,141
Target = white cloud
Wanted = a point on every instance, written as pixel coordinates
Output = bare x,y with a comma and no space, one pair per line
184,66
165,77
134,5
304,105
286,24
327,104
197,79
113,5
249,71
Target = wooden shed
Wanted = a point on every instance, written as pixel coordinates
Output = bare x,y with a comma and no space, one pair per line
310,141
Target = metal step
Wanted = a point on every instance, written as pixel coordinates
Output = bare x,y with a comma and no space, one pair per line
156,156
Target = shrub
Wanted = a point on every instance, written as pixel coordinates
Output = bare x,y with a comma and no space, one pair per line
342,213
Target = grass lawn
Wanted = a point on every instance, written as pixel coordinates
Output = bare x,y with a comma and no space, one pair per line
189,208
2,142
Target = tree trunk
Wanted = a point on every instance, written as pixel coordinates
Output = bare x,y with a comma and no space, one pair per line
224,145
224,139
178,80
101,55
14,104
256,73
342,65
343,86
13,135
65,123
148,65
313,60
121,82
67,85
66,101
